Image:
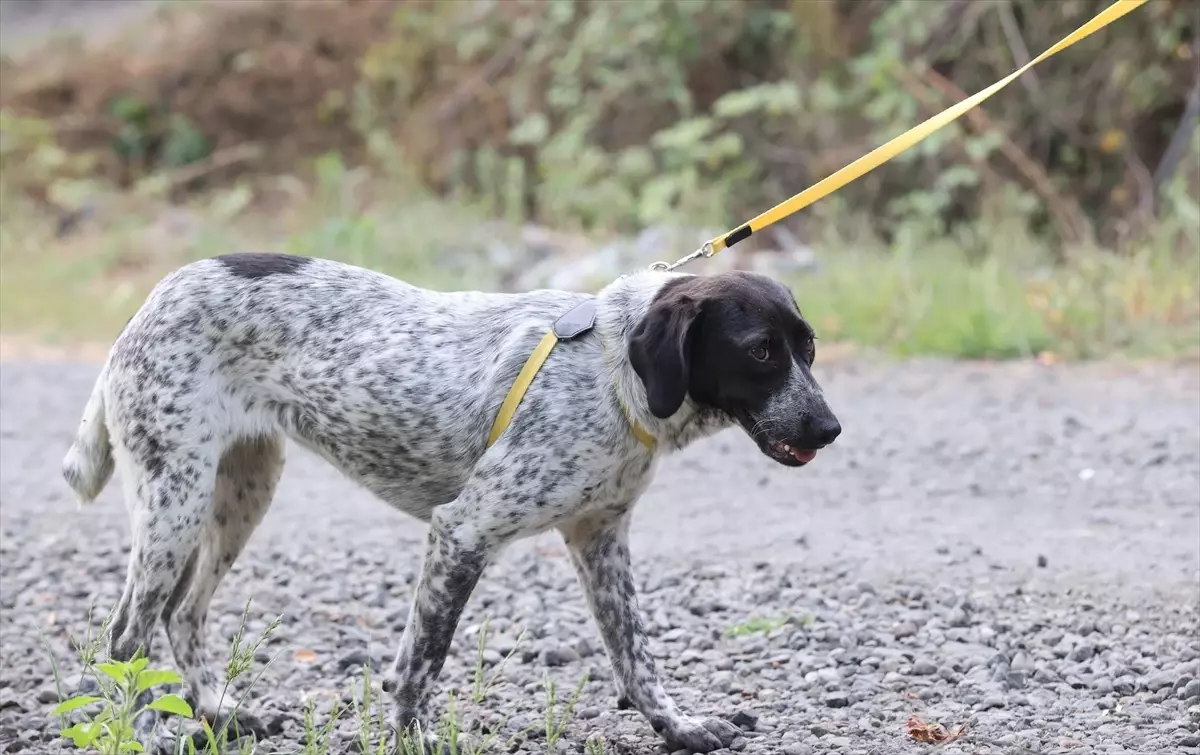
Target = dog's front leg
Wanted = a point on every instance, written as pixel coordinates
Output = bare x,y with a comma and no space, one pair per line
455,557
600,551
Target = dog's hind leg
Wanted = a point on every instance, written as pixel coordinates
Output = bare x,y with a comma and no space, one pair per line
246,478
168,492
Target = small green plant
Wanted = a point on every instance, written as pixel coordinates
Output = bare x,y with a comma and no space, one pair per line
451,736
556,723
763,625
594,745
317,738
370,719
241,661
123,688
89,648
121,684
121,699
482,685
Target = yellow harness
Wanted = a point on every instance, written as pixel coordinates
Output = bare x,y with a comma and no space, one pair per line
571,325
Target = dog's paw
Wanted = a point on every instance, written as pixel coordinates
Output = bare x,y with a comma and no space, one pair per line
239,724
700,734
413,741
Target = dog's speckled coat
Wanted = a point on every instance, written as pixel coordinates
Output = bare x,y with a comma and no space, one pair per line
398,386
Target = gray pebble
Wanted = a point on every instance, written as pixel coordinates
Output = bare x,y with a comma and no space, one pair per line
356,659
993,701
1191,690
958,618
558,656
1124,685
744,720
1156,681
904,629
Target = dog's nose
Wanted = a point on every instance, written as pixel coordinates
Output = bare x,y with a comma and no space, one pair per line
825,430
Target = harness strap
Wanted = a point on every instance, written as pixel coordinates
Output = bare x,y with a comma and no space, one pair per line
520,385
639,432
575,322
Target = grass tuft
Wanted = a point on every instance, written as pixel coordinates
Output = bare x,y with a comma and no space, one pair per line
104,722
970,296
765,625
556,721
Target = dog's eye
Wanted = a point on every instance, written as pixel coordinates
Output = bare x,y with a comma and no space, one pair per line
759,353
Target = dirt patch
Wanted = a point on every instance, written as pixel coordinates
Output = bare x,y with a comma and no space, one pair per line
16,348
223,75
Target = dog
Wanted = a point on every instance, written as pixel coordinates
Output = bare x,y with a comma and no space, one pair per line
397,386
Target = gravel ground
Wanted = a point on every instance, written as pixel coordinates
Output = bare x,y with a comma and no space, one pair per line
1012,548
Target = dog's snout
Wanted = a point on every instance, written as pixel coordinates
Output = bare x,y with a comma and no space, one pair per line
825,429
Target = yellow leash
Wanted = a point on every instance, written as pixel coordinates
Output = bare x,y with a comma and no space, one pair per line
582,318
908,139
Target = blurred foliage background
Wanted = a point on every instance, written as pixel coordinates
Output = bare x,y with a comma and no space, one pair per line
1062,218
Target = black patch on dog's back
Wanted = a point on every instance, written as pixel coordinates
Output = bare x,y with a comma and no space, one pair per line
254,265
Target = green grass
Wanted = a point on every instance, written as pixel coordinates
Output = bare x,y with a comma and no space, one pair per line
84,287
989,292
765,625
103,723
993,293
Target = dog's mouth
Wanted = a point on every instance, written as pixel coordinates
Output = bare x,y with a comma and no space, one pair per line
787,454
790,453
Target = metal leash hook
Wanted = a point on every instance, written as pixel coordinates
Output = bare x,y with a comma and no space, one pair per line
704,251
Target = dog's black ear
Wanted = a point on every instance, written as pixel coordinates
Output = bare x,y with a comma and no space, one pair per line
660,348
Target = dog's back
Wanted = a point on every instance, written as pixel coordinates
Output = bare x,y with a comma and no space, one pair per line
394,384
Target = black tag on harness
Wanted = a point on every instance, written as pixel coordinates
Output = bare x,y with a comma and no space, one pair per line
577,321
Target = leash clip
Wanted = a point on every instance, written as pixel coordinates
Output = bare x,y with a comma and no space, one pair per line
706,251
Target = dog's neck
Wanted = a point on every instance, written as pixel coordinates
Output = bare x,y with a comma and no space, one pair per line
621,306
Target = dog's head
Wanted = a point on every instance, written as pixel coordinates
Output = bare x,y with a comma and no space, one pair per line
736,342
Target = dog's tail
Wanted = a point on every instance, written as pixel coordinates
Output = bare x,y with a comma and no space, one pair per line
88,465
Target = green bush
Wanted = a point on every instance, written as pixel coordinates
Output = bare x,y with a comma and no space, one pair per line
619,115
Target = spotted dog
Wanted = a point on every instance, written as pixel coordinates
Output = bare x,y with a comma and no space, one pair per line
397,387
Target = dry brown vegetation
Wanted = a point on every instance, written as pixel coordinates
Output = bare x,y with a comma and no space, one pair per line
1061,216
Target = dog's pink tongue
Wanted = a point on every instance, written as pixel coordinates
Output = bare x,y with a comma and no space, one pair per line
803,455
